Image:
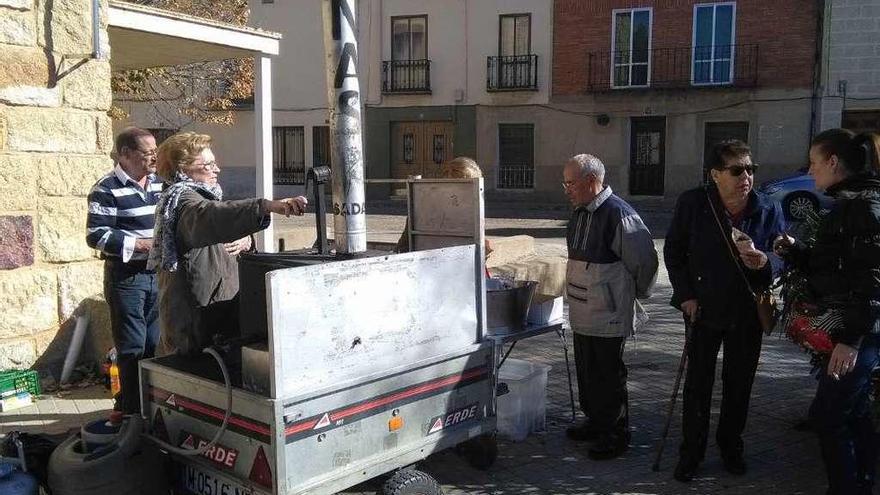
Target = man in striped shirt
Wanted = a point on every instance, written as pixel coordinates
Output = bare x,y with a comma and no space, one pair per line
120,225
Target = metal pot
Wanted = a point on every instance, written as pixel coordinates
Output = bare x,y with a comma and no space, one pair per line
507,305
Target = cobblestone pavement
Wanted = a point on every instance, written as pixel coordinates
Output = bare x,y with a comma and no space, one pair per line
781,460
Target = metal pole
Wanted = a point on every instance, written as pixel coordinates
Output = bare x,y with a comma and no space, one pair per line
346,145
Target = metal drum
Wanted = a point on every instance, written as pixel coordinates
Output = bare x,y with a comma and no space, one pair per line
507,305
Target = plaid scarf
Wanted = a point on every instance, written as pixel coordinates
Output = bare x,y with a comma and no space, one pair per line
164,252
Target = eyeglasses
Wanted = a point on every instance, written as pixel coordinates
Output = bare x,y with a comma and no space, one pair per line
148,153
738,170
568,184
207,165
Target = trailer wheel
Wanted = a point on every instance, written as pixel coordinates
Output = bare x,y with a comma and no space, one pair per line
480,452
411,482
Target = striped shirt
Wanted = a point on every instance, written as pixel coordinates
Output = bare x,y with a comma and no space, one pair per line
120,212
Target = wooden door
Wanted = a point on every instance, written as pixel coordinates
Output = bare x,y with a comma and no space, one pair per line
438,147
647,162
418,148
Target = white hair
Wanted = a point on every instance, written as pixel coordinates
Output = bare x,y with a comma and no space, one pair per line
589,164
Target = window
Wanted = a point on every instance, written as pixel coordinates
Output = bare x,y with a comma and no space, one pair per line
514,36
409,38
321,146
630,48
288,155
516,156
713,48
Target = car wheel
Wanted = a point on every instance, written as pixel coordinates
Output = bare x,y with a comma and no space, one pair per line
800,205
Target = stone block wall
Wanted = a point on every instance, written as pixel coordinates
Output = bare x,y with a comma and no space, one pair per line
55,139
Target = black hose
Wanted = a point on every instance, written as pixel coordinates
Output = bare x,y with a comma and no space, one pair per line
201,450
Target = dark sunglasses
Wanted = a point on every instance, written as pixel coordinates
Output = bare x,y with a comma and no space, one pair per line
738,170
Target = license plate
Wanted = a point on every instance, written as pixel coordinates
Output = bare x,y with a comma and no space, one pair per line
201,481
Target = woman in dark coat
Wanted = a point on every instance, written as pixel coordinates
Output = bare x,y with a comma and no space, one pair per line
843,270
197,239
709,277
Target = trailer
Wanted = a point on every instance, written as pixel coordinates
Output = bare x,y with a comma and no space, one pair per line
353,368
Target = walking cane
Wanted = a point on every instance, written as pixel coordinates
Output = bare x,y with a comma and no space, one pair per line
682,364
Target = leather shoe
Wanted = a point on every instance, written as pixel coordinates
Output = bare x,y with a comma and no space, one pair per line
609,446
734,463
685,470
585,432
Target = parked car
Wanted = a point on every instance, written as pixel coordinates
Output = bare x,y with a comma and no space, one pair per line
797,194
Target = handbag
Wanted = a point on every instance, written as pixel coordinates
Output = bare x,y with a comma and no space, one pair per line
765,300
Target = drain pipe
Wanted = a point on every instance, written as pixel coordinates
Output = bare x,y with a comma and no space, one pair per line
97,51
346,125
76,341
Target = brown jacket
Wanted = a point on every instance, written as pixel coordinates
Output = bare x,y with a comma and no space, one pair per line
199,299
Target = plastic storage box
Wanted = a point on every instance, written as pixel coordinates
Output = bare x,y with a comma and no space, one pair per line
522,410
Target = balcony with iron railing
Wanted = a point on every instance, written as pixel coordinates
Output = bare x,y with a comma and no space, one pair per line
512,73
406,76
680,67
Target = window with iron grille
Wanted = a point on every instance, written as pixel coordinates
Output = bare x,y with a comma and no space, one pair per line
630,48
321,146
288,155
516,156
713,48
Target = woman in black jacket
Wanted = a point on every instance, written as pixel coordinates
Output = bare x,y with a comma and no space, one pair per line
713,283
843,268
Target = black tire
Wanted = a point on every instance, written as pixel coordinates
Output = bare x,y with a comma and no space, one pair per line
480,452
796,204
411,482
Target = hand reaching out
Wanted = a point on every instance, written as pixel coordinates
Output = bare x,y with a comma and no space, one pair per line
235,248
289,206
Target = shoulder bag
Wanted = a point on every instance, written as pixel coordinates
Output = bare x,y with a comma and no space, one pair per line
765,301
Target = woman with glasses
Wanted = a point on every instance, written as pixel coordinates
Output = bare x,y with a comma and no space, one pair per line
719,254
198,236
843,273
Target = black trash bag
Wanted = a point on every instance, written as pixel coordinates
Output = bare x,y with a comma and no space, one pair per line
37,449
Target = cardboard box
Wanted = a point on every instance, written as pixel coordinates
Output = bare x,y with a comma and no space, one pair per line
545,309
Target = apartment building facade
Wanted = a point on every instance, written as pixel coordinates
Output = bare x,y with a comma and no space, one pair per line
432,75
649,86
446,68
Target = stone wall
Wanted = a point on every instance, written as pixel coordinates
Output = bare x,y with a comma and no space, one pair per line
55,139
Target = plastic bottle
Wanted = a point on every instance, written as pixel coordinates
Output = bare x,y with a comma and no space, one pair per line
114,373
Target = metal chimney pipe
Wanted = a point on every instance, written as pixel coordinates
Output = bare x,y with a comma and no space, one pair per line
346,146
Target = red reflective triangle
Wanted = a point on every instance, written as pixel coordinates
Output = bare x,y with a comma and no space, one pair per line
261,473
159,429
188,443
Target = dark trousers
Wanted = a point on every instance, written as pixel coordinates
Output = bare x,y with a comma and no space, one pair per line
841,414
132,294
601,377
742,347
